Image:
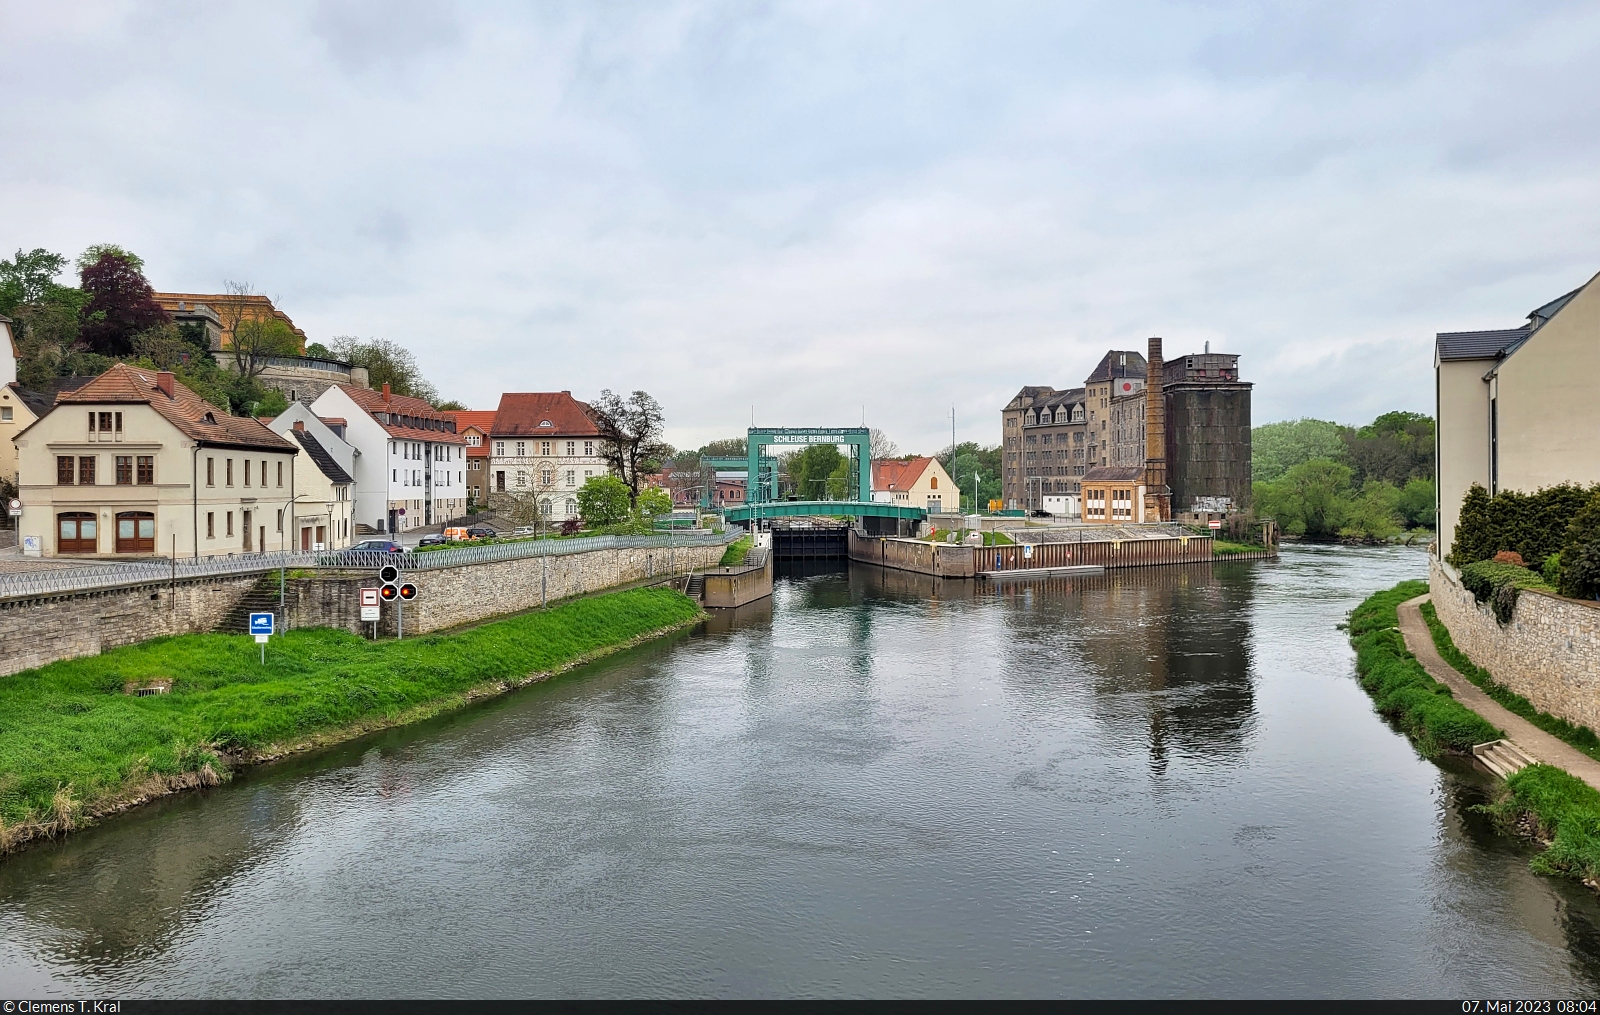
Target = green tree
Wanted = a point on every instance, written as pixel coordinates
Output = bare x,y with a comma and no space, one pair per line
604,500
1418,506
631,436
1395,447
256,341
1275,448
1309,499
654,501
815,471
386,362
1373,514
29,278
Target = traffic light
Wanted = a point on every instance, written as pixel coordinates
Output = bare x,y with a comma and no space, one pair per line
408,592
389,593
388,574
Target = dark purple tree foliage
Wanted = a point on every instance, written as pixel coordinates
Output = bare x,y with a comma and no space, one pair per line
121,304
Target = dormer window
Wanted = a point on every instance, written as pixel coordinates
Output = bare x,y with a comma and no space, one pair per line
209,418
545,422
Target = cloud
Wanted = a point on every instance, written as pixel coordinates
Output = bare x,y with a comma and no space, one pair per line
811,208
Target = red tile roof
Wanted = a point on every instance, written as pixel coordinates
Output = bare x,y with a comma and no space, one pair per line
399,406
483,419
893,474
194,417
521,413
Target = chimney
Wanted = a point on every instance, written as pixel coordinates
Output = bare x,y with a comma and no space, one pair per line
1158,500
386,391
300,425
165,383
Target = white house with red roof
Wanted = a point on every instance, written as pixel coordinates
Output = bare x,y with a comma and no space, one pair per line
914,482
412,470
544,444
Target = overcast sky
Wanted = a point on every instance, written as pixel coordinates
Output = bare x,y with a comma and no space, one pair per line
819,209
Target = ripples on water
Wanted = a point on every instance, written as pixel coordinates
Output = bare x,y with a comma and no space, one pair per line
1160,783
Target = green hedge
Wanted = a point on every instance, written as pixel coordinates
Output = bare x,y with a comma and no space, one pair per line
1497,584
1556,529
1401,689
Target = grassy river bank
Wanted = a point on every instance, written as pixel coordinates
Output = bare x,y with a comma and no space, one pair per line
1541,802
74,747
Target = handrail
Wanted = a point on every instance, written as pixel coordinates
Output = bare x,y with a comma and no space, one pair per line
93,576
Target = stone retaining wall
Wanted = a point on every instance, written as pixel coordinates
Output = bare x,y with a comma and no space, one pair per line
450,597
1549,653
37,631
34,632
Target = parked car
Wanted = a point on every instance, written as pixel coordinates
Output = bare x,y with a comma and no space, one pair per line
524,530
481,532
379,545
436,539
362,553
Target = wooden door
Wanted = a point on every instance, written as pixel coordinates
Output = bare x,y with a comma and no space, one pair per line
76,532
136,532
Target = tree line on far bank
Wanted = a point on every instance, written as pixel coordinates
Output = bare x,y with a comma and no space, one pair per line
1322,480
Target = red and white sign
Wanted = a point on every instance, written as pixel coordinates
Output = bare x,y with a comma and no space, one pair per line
369,605
1215,523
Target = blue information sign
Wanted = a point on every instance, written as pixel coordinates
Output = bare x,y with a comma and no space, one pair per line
260,623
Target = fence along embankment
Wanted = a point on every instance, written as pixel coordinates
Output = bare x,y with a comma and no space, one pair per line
45,617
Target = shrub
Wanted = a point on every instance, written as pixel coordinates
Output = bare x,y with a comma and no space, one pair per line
1551,571
1498,583
1401,688
1509,557
1580,576
1533,525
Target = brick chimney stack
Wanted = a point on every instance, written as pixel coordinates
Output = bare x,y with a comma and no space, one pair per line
300,425
386,391
1158,499
166,382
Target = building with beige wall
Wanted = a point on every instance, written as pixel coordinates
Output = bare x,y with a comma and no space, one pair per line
135,464
1516,407
19,407
915,482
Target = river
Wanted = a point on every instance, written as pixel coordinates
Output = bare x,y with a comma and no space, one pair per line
1163,782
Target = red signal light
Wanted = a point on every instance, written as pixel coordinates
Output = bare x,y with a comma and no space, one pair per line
388,593
408,592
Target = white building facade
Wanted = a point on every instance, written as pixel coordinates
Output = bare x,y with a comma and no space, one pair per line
411,471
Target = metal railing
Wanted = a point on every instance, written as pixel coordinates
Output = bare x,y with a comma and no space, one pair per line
92,576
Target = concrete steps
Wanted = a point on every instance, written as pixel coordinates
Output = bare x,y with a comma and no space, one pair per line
696,588
1503,758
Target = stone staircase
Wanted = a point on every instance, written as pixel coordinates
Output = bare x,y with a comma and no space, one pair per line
1502,757
262,597
696,589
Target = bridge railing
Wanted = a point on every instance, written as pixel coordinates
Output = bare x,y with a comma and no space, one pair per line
117,574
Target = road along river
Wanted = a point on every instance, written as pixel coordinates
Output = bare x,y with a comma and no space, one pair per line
1162,782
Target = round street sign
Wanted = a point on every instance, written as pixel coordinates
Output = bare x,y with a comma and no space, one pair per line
389,574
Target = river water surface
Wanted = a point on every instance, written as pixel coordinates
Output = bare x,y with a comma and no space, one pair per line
1164,782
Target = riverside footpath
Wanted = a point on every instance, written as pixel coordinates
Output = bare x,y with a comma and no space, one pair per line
1535,742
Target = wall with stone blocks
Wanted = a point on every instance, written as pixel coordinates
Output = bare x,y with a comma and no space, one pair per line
450,597
1549,653
37,631
34,632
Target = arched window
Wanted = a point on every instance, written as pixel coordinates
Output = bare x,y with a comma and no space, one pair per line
75,532
545,507
136,532
572,508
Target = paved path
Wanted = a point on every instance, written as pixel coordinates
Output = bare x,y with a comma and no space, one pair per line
1535,742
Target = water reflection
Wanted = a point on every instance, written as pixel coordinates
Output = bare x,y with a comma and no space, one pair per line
1158,782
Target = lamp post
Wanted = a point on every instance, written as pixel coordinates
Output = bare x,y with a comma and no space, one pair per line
283,571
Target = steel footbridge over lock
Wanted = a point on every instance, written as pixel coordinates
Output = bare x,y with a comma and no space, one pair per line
762,500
